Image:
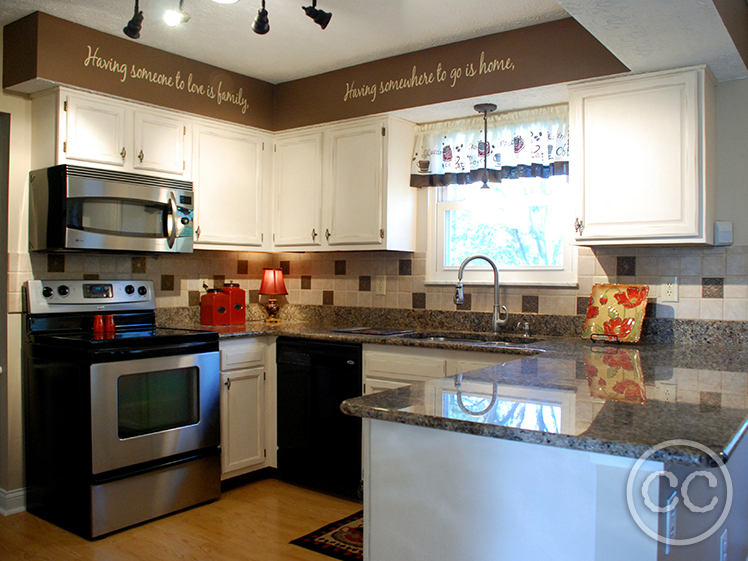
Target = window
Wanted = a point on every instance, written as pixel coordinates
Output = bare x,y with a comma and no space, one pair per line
522,221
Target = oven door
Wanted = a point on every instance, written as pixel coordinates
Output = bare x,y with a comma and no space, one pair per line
150,409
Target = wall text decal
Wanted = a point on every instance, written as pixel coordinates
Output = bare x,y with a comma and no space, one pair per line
175,82
418,79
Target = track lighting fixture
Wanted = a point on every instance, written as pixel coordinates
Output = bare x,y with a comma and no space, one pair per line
485,108
320,18
261,24
173,18
133,27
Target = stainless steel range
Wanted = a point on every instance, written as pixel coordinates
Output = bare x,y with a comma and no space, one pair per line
121,425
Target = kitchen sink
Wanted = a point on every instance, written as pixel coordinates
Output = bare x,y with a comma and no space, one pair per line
471,339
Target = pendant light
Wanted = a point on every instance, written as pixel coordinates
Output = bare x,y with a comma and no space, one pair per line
261,24
485,108
133,27
320,18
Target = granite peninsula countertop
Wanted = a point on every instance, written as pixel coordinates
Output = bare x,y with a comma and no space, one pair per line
564,392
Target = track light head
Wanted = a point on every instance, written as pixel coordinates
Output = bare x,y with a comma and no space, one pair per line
174,18
320,18
133,27
261,24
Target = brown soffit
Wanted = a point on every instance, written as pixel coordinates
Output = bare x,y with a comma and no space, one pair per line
734,14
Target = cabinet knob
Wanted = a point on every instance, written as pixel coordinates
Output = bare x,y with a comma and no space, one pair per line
227,383
327,234
197,232
141,156
123,154
314,234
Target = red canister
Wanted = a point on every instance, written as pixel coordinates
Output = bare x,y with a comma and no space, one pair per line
237,301
214,307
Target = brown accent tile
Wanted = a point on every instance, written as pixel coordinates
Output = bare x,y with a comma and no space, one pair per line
328,297
254,296
167,283
306,282
405,267
219,281
285,267
193,298
709,401
55,263
530,304
713,287
242,267
340,266
419,300
91,276
138,265
364,284
583,303
626,266
466,305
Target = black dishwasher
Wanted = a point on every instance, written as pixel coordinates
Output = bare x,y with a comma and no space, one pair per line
318,445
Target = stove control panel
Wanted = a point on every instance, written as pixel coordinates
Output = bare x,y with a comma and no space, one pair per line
53,296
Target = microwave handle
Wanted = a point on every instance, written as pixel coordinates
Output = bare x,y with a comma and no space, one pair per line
172,226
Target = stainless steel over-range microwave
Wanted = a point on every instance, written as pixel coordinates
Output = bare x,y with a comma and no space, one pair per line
77,208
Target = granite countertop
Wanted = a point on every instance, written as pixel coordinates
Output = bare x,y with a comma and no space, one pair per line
564,391
611,399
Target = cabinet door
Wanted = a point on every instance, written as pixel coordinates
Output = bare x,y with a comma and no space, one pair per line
640,159
95,131
354,196
297,175
159,143
228,181
242,427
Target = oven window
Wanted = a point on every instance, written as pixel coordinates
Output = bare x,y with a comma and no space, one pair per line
156,401
117,217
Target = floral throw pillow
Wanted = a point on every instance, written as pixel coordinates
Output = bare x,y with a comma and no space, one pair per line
615,312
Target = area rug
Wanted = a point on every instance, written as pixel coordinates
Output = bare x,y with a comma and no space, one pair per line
343,539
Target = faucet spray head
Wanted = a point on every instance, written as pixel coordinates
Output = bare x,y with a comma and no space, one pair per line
459,296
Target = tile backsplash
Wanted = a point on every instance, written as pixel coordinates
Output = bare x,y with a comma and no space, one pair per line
712,282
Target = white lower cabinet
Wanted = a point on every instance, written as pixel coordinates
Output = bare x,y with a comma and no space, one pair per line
387,368
244,415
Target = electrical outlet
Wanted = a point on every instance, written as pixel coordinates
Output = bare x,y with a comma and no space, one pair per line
670,522
380,285
666,391
669,289
723,546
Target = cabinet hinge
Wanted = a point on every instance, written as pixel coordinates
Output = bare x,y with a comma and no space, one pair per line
197,232
578,226
184,165
384,131
263,146
264,375
184,131
265,453
381,233
273,237
65,105
65,145
262,237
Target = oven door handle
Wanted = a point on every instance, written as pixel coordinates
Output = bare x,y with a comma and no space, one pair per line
172,225
156,351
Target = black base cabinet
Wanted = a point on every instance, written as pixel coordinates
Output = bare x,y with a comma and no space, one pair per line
318,445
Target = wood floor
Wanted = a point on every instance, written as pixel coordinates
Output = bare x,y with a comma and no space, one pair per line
252,522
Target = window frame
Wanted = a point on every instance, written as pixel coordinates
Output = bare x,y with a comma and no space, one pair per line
479,272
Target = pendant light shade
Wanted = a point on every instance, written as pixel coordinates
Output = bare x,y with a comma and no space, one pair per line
133,27
261,24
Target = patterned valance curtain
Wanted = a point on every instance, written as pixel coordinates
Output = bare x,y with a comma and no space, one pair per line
529,143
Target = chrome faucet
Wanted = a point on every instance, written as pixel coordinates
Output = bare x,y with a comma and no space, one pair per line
497,320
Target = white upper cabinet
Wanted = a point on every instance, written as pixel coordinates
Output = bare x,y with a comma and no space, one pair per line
643,158
228,176
92,130
361,201
297,189
159,142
